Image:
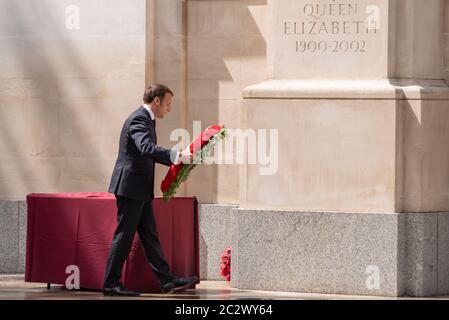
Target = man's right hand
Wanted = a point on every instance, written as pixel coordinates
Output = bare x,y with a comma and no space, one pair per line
185,156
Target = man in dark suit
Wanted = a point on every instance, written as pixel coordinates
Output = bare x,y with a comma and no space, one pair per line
132,183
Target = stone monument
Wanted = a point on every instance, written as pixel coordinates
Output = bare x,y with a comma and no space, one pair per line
360,201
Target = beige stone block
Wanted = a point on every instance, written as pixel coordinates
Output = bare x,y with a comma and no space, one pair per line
169,58
446,16
91,127
227,18
333,155
199,17
30,128
124,84
335,44
41,127
228,184
82,123
169,17
419,36
50,18
111,18
213,58
446,54
11,88
213,184
82,57
256,18
214,89
203,184
42,88
116,84
86,173
211,112
446,39
12,124
202,89
29,88
390,89
230,90
20,18
81,87
254,60
425,156
23,175
11,60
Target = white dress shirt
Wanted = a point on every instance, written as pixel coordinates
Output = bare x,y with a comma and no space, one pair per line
149,110
174,154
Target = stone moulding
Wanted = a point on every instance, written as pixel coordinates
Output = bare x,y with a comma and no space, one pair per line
396,89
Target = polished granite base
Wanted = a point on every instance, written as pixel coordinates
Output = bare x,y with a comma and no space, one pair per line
13,287
374,254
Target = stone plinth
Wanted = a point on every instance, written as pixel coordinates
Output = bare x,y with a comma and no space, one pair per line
362,184
374,254
351,146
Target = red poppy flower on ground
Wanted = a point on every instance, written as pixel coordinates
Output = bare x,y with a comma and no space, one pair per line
226,264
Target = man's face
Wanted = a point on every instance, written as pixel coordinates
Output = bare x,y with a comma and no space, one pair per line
162,107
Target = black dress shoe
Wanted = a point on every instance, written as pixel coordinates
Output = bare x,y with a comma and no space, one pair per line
120,291
179,284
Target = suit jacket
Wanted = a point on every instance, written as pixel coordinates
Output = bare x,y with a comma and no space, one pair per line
133,175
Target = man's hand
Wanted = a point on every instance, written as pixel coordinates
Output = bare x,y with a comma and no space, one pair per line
185,156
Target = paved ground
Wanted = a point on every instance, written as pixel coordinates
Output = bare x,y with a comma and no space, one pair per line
13,287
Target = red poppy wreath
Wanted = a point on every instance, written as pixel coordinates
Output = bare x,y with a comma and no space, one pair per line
199,148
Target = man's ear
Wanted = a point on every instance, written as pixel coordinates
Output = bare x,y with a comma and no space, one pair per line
157,100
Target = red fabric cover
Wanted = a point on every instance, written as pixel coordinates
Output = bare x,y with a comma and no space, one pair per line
76,229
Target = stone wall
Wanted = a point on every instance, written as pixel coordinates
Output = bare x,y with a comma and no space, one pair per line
446,39
403,254
65,91
13,219
209,51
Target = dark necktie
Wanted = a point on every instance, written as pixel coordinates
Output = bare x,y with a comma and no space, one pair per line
155,135
155,143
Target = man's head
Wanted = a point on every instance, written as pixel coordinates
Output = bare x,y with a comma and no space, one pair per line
160,98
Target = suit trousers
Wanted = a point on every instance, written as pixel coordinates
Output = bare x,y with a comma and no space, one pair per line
135,215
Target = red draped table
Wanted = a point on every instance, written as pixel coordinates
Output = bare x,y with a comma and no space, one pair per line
76,229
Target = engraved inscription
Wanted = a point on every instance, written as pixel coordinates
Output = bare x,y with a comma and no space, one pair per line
332,27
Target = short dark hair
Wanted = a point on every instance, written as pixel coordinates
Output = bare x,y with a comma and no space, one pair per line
155,90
